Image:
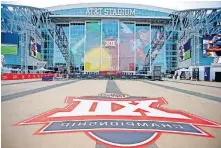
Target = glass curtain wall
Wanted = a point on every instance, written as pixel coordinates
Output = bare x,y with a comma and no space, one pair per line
77,40
92,47
112,45
127,46
109,50
158,55
142,46
59,60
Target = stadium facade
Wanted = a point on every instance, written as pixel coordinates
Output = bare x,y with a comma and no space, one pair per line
95,37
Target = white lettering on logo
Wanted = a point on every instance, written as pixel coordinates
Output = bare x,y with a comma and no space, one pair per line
114,95
126,109
103,123
114,123
178,126
84,123
130,123
154,124
65,124
110,43
92,123
140,124
166,125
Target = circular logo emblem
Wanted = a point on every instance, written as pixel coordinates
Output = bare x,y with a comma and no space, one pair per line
130,122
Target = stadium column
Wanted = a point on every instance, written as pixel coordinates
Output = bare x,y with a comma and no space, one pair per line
21,45
134,48
24,49
54,48
85,36
150,49
43,49
69,48
193,59
165,62
27,39
118,46
197,49
27,51
101,46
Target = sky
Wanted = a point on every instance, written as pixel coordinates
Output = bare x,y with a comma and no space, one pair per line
170,4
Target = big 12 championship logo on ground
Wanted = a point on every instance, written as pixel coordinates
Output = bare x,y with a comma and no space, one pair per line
118,120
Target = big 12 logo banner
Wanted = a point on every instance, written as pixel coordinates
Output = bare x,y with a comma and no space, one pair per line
120,120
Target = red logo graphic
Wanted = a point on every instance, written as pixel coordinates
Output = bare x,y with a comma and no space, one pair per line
111,113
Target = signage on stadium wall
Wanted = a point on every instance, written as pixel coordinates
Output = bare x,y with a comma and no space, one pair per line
110,12
115,122
218,24
12,76
41,64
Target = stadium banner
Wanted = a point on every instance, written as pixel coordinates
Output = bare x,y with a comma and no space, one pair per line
127,42
185,51
41,64
109,54
110,73
35,49
47,78
207,74
12,76
92,59
10,49
142,46
77,40
155,54
195,73
212,45
9,43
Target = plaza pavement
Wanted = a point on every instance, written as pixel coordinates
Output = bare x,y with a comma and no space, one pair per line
206,89
8,82
29,105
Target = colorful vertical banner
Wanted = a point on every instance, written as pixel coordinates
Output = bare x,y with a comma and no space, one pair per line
109,61
93,46
142,46
126,46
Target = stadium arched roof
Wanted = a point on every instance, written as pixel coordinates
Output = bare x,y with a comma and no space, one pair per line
122,5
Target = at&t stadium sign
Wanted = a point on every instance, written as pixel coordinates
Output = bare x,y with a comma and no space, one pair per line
110,12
